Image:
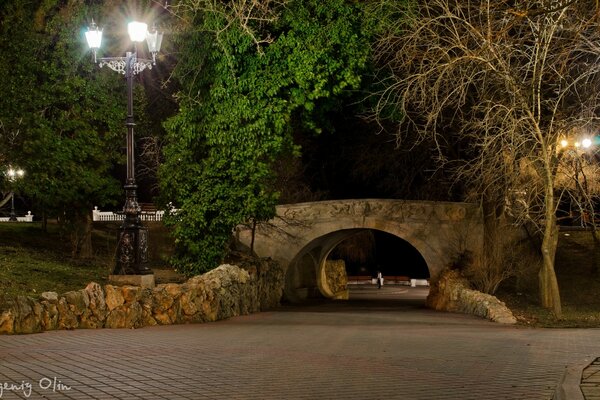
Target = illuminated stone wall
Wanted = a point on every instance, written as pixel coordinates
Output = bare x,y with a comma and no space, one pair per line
224,292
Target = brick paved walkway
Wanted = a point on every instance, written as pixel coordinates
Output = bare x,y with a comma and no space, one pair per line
378,349
590,381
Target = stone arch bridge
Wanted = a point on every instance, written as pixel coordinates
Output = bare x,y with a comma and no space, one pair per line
301,236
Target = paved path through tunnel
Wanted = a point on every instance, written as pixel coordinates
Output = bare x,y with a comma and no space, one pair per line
372,347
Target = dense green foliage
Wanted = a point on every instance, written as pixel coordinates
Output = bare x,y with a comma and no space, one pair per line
61,121
248,86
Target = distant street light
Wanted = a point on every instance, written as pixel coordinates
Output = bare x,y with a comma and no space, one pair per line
575,156
584,143
132,246
12,175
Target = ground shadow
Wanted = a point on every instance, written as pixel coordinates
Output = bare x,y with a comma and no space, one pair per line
368,298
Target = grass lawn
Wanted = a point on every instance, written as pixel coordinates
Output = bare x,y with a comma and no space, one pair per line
579,287
33,261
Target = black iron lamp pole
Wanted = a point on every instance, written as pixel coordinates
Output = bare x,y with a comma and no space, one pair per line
132,245
13,174
13,215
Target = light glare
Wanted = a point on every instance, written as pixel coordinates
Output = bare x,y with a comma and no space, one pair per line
137,31
14,173
94,37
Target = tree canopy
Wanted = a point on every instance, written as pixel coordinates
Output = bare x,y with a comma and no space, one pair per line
507,81
251,76
60,120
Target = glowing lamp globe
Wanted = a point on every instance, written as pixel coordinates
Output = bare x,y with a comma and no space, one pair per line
586,143
137,31
94,36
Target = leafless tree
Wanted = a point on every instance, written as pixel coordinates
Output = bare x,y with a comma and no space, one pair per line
513,78
150,154
250,15
579,179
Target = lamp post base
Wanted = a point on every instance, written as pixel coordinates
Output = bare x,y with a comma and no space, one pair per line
132,250
145,281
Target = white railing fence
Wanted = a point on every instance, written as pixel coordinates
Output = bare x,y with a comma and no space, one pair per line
107,216
26,218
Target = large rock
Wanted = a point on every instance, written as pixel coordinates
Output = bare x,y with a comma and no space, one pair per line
451,292
28,315
270,281
78,301
97,307
125,316
235,290
7,322
131,294
49,315
66,317
21,314
162,304
267,279
147,303
49,302
337,279
51,297
113,297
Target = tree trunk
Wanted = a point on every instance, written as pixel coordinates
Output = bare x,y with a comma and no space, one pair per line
44,221
253,236
549,293
86,250
81,237
595,267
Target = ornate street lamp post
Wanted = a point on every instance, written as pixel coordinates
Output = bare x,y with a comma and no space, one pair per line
132,246
13,175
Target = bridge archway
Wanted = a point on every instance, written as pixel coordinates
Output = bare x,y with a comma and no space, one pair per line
370,251
306,273
302,235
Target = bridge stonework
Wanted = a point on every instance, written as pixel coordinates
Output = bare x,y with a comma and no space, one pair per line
301,236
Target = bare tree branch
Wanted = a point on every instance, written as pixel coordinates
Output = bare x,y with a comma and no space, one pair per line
512,79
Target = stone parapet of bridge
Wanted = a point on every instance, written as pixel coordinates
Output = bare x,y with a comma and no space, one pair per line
301,236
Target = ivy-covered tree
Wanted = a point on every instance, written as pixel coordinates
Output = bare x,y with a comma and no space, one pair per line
252,74
60,121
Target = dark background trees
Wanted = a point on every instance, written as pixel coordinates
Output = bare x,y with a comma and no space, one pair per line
61,117
60,120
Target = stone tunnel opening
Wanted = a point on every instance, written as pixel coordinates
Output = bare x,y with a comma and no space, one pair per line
370,251
342,265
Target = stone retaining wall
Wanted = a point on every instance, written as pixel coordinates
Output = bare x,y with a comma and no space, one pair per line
452,293
224,292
